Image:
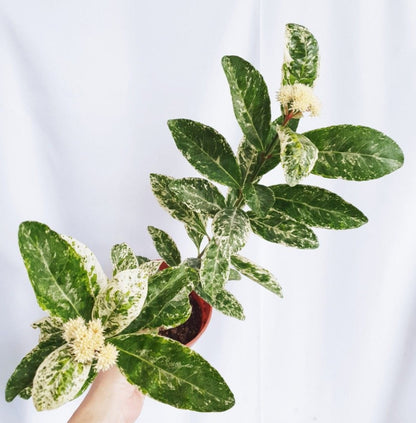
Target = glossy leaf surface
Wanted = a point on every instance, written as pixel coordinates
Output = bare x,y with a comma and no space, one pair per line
171,373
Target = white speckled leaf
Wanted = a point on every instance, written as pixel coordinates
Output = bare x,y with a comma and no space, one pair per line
194,223
123,258
121,302
163,288
56,271
317,207
355,153
251,100
257,274
259,198
165,246
224,301
206,150
231,228
234,275
149,268
301,59
280,228
58,379
49,326
215,268
255,164
96,275
298,155
199,195
171,373
22,377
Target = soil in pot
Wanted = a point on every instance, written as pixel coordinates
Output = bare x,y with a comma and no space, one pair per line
192,329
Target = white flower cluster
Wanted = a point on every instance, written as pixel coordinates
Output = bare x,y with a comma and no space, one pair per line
298,99
88,343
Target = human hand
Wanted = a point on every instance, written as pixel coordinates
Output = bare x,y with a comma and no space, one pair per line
110,399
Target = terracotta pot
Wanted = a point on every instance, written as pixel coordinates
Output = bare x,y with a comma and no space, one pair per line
190,331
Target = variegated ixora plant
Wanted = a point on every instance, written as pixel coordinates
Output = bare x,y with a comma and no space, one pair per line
95,322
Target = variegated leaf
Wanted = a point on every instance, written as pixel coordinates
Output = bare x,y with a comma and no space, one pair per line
355,153
163,287
231,228
97,277
215,268
280,228
194,223
58,379
206,150
257,274
121,302
199,195
298,155
225,302
57,272
259,198
317,207
149,268
141,260
22,377
251,100
123,258
49,326
165,246
234,275
26,393
301,59
172,373
249,159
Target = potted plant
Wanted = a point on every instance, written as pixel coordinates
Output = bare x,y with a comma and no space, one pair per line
96,322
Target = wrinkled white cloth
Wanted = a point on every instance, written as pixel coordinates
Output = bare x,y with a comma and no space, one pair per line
86,88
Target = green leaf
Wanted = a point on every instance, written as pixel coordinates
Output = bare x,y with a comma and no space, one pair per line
292,124
249,160
251,100
26,393
199,195
215,268
123,299
49,326
259,198
58,379
163,288
206,150
231,228
280,228
234,275
22,377
301,60
317,207
96,276
172,373
141,260
194,223
355,153
123,258
225,302
298,155
165,246
56,271
257,274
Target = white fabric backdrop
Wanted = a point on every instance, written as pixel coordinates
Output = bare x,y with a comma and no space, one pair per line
86,88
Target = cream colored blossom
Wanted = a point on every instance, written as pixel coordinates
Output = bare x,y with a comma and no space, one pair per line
74,328
106,358
298,99
85,340
95,333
